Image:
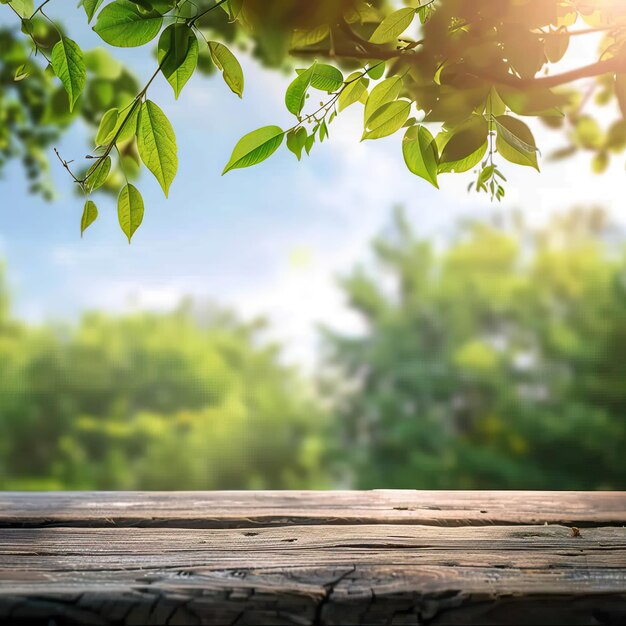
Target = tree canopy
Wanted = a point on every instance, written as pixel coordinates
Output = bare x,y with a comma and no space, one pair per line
496,363
456,78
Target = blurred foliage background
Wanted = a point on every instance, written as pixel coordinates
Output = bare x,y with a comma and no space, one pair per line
493,361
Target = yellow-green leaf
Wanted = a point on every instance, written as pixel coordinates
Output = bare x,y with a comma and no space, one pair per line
91,6
69,65
304,38
386,91
296,140
465,146
90,214
178,55
255,147
98,174
126,124
387,119
515,141
325,77
24,8
353,91
123,24
228,63
106,129
130,210
156,143
376,70
393,25
295,95
420,153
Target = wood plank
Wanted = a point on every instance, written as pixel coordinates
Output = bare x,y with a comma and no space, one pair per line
74,549
326,595
313,558
240,509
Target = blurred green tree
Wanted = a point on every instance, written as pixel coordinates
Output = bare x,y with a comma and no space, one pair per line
183,400
497,363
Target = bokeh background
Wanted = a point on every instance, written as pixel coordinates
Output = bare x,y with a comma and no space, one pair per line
330,323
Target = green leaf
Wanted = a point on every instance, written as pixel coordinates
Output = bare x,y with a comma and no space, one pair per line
160,6
25,8
156,143
255,147
227,62
130,210
376,71
384,92
122,24
353,91
495,104
28,28
68,64
393,25
515,141
296,140
387,119
420,153
106,129
119,124
91,6
325,77
234,9
323,131
98,174
308,144
295,95
126,125
465,147
425,12
90,214
21,73
304,38
178,55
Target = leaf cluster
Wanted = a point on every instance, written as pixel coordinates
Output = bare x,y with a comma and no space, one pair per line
457,78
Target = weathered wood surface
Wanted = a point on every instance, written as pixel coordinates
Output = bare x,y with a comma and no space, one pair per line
381,557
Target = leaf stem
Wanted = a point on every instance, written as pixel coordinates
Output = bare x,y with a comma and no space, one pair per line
136,102
41,6
37,47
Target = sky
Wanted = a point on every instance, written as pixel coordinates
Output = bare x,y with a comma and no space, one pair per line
269,240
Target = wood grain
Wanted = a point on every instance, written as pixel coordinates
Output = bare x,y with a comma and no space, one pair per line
381,557
241,509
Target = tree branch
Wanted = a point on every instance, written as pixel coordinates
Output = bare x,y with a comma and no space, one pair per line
610,66
615,65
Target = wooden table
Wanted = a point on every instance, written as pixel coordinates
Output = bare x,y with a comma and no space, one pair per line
378,557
